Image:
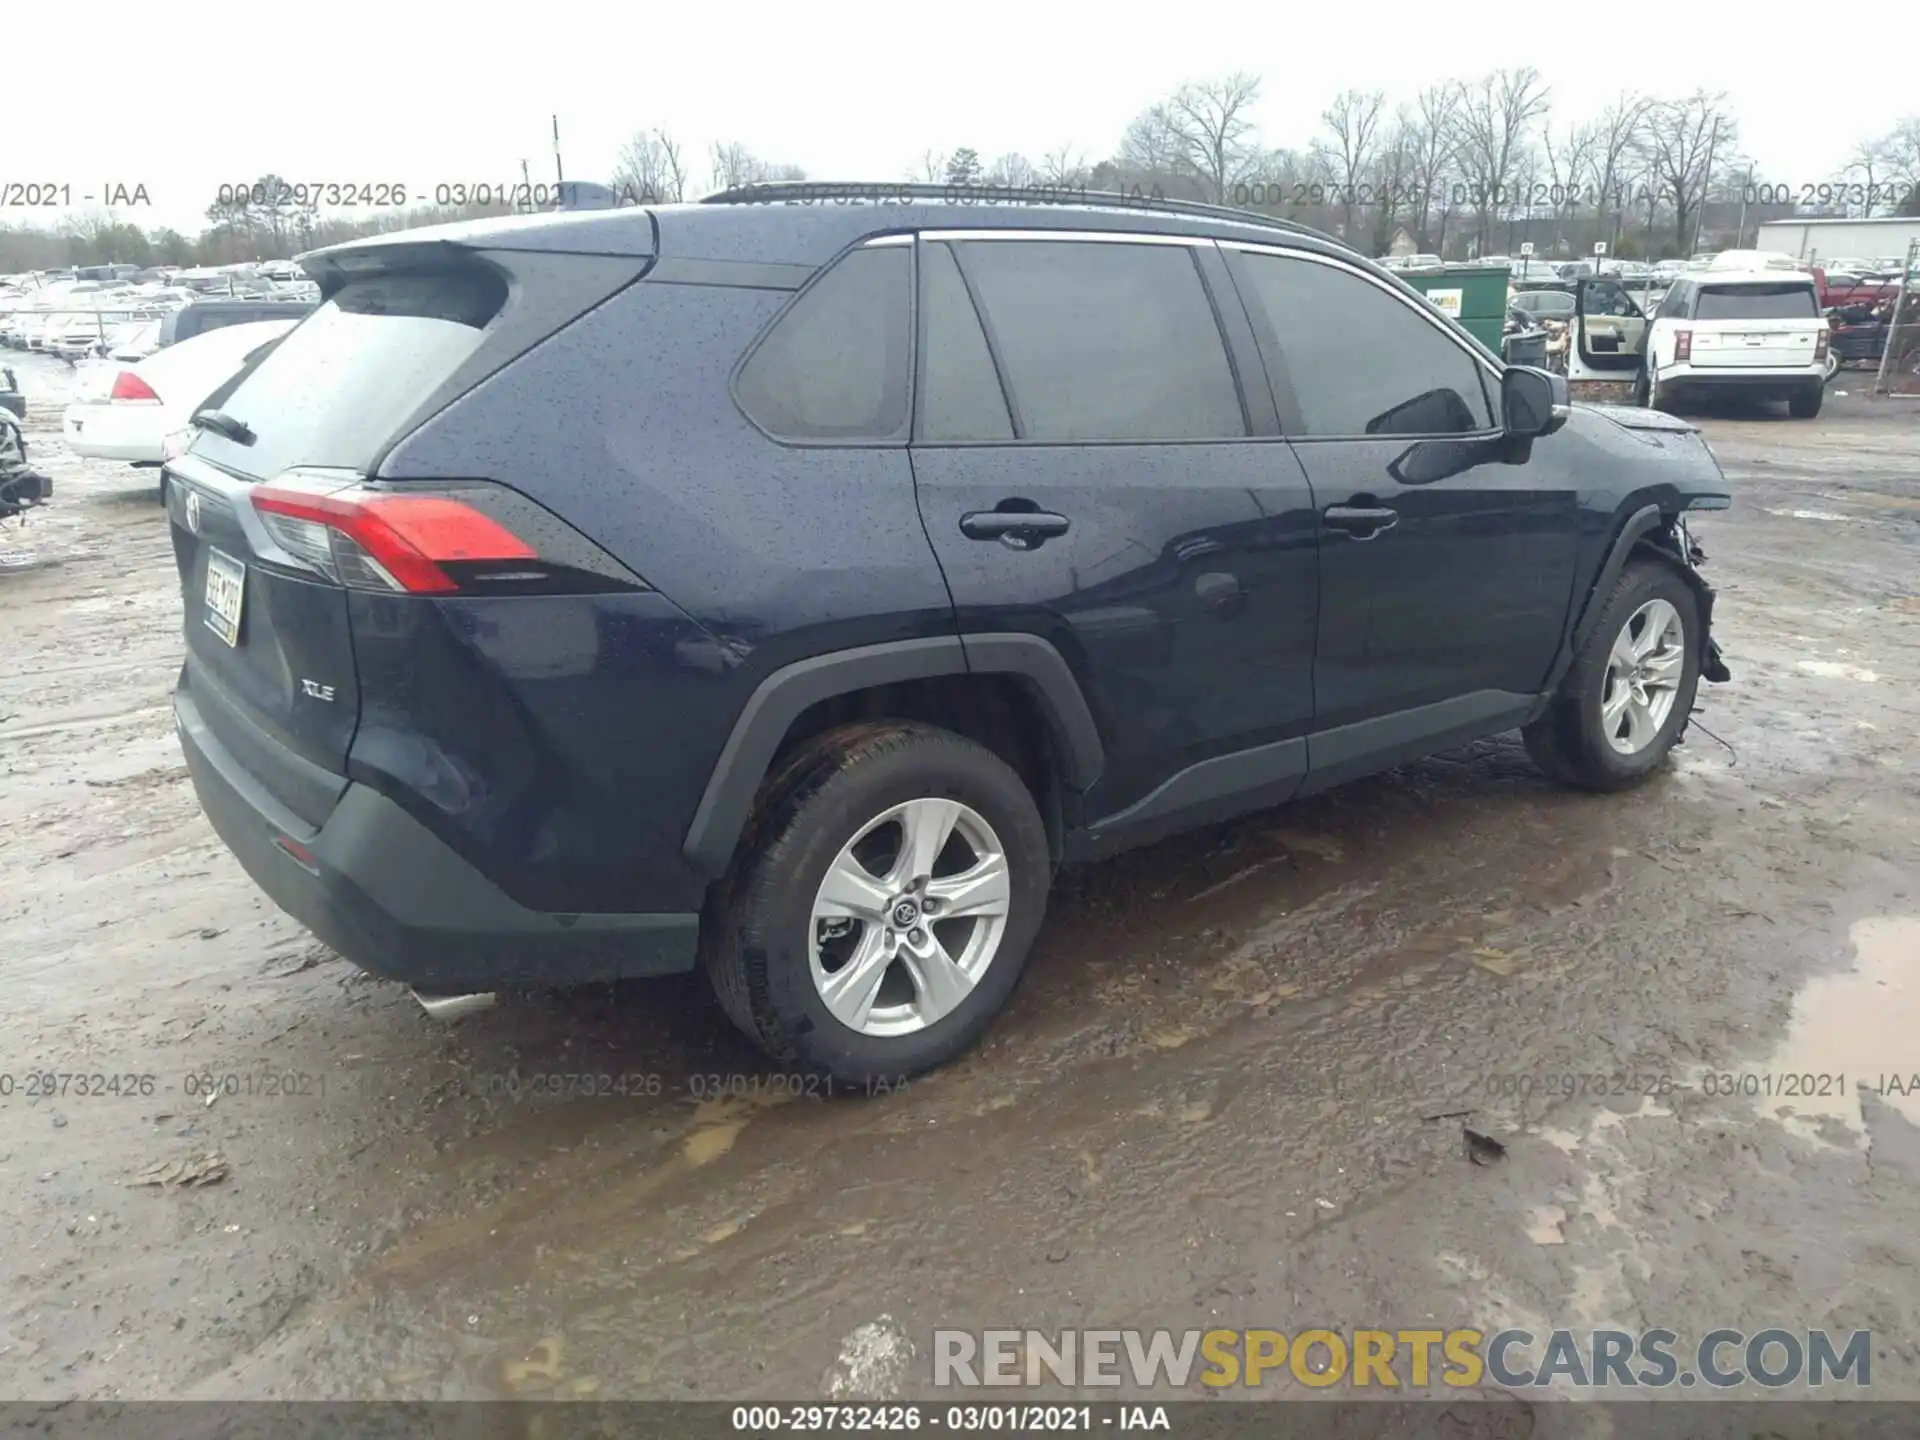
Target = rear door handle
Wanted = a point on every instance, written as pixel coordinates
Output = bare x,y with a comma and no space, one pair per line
1019,528
1363,522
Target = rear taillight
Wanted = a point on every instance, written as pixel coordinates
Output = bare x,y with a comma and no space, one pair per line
1682,346
470,537
130,387
1820,344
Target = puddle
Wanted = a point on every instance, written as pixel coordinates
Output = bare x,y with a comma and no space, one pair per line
1857,1028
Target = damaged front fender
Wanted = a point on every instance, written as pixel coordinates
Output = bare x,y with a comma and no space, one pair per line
1674,544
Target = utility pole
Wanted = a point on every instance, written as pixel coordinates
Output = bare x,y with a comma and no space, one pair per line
1706,185
559,175
1740,240
526,180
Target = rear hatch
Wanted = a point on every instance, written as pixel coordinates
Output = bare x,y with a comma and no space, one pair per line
1756,323
272,516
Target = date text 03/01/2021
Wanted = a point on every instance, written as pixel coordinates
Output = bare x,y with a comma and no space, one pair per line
969,1419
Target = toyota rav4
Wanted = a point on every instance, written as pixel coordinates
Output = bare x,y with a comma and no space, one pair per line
786,585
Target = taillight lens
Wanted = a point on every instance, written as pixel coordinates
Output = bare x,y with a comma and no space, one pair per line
1682,346
472,537
1820,344
129,386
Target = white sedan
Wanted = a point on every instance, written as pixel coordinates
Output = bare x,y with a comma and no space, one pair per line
126,412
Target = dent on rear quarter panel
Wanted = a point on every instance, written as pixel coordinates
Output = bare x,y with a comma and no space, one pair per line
623,425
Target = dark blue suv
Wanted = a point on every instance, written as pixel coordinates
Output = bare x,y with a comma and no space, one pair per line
787,584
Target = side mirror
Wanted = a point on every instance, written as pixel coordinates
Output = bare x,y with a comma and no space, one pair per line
1533,402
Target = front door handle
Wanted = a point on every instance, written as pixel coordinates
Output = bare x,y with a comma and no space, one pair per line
1363,522
1021,529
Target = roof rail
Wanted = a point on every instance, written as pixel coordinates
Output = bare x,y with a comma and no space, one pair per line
815,191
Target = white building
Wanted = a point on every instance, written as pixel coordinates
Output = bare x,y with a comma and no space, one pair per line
1816,240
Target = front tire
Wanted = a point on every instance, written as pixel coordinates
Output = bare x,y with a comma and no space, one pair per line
893,883
1626,698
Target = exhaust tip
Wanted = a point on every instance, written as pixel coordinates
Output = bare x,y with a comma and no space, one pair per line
443,1006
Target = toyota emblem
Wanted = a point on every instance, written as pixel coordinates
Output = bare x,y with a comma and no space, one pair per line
193,511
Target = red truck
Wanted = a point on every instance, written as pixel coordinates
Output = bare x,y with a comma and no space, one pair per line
1841,288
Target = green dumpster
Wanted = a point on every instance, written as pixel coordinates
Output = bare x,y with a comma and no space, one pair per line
1475,295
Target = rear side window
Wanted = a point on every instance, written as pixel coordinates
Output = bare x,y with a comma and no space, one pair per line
1359,359
1105,341
1756,302
835,365
337,390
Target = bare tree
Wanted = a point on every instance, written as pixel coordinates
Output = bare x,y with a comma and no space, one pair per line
1679,142
1497,114
1569,160
653,167
1898,153
1149,146
1392,180
1433,141
1012,169
932,168
1204,132
1868,165
1353,126
1063,165
1615,159
734,165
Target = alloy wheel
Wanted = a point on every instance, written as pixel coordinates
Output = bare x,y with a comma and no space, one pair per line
909,917
1644,669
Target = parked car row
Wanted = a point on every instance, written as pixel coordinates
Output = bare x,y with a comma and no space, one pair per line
102,312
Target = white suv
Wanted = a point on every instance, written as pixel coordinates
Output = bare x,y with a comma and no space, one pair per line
1757,332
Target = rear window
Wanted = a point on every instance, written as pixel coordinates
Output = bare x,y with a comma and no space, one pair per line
1791,301
342,384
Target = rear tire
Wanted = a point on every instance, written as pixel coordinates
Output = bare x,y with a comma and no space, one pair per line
856,797
1594,734
1806,404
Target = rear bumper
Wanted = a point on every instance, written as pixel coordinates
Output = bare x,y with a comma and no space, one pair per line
1756,380
106,432
389,895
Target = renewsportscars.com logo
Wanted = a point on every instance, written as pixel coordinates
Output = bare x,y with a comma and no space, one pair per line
1401,1359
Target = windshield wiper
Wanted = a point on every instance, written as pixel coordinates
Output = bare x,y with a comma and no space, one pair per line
222,423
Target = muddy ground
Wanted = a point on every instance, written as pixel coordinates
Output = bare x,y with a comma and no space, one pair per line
1208,1105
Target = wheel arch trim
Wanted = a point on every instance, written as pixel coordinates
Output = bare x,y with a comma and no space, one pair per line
786,694
1582,615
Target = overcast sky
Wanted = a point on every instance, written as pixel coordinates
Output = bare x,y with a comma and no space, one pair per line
185,98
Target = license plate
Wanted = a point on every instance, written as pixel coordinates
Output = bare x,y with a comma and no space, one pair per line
226,593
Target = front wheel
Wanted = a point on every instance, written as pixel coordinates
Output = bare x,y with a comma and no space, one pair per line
1626,698
893,885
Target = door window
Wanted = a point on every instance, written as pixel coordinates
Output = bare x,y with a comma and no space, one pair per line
1104,341
835,365
1358,359
960,394
1608,297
